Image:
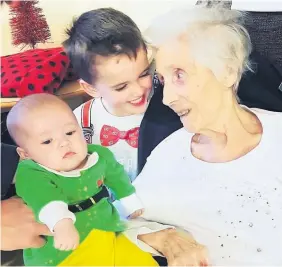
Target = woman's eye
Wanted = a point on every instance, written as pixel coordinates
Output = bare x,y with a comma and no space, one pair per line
178,75
70,133
47,142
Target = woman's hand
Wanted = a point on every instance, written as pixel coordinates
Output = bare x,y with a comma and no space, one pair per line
179,248
19,230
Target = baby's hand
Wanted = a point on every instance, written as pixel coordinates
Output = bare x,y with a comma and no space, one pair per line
66,236
136,214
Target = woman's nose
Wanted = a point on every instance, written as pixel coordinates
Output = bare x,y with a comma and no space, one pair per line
169,96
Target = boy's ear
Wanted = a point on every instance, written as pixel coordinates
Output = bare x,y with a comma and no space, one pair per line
89,89
22,153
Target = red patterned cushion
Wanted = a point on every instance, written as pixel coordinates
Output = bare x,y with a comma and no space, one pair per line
34,71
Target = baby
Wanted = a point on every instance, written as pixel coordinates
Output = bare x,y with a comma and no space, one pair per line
62,179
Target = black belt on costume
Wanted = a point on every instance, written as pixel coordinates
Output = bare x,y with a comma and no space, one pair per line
86,204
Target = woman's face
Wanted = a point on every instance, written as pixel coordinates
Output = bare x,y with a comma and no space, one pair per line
190,89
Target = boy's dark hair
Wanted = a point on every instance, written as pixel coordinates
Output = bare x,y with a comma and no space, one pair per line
104,32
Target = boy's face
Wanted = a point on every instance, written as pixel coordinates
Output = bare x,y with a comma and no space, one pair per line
124,83
53,138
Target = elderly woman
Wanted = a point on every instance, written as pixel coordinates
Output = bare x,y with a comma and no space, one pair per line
219,177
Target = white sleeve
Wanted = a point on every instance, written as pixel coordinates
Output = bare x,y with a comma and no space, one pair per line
140,227
127,205
53,212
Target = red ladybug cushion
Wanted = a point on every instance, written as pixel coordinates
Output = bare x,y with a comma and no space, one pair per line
34,71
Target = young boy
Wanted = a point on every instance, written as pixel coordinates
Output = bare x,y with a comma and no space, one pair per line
109,54
63,181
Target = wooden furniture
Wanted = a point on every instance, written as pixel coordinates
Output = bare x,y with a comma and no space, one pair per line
68,90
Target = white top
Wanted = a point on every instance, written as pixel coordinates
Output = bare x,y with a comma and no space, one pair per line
124,153
233,208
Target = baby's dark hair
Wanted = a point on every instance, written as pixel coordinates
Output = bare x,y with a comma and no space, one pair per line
104,32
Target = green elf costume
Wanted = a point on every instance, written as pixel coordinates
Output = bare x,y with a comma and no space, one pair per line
41,187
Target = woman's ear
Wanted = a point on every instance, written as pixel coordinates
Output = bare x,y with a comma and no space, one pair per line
22,153
89,89
229,76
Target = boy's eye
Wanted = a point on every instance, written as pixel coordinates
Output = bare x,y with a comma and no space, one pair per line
70,133
121,88
145,74
47,142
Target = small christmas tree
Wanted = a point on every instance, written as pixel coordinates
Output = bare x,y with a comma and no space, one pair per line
28,24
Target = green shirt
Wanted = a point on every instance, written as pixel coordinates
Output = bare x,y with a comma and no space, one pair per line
37,187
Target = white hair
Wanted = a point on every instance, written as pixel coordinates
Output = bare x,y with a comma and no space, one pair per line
216,36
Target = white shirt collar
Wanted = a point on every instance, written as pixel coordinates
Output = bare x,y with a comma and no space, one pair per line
91,161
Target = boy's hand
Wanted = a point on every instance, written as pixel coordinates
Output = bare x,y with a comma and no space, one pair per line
66,236
136,214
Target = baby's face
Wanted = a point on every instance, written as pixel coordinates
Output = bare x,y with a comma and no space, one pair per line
54,139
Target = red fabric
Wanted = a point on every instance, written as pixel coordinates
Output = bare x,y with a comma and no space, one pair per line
87,127
33,71
110,135
86,113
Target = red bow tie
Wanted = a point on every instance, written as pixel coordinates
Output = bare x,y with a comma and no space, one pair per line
110,135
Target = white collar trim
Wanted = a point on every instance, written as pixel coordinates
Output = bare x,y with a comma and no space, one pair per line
91,161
